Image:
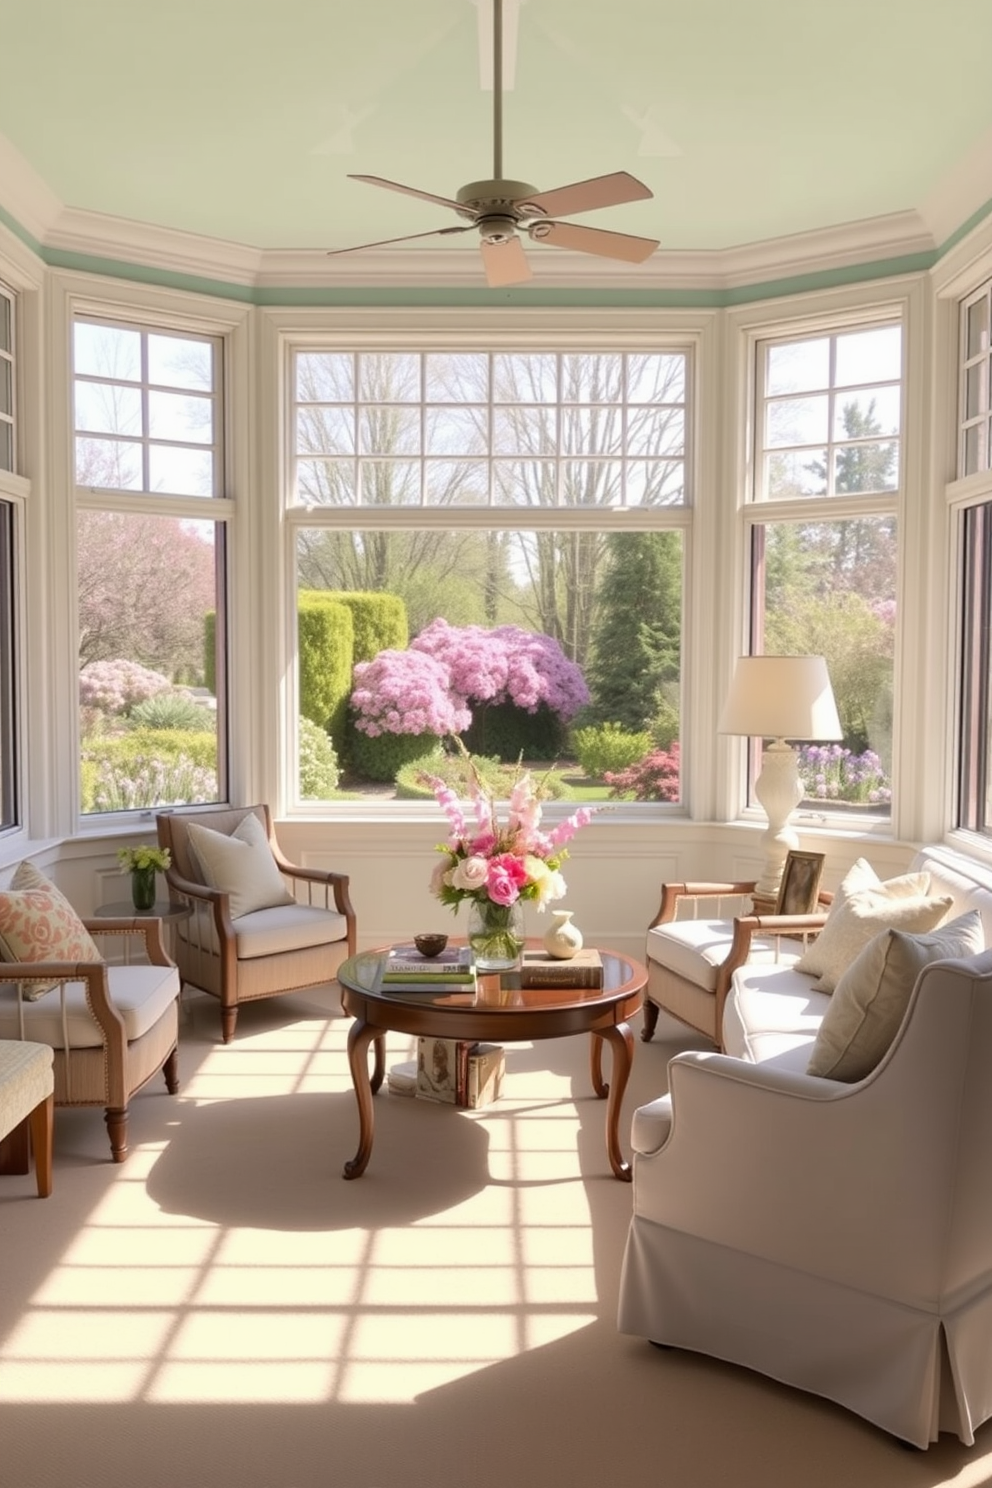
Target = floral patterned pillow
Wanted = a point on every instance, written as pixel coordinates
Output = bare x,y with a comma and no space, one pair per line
37,923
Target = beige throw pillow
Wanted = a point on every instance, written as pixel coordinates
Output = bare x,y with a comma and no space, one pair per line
37,923
862,907
241,864
869,1004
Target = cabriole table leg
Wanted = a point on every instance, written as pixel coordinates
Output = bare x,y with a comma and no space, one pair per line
360,1035
621,1041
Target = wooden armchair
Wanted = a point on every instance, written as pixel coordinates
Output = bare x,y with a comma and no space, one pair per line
691,959
111,1027
261,926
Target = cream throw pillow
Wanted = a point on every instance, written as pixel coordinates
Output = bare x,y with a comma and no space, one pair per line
871,998
862,907
241,864
37,923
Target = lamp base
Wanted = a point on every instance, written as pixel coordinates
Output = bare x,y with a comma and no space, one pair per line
779,790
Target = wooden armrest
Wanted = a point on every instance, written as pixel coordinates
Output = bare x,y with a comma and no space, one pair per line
671,893
92,973
150,929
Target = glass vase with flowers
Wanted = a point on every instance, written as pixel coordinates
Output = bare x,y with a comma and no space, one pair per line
499,866
143,863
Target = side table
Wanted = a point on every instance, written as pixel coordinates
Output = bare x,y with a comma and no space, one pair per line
169,911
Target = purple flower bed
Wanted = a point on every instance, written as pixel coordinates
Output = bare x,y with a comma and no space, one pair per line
829,772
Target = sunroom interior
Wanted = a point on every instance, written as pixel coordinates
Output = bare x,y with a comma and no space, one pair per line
213,407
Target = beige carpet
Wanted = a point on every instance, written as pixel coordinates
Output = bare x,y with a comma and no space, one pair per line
225,1309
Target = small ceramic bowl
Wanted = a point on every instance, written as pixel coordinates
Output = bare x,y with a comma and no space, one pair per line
430,945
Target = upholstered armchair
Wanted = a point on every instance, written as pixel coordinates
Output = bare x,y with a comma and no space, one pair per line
260,926
691,958
834,1236
112,1023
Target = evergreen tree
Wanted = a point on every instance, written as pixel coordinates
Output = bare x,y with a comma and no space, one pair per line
636,635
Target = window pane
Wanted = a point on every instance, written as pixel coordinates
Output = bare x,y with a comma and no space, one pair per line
390,483
465,482
828,589
866,467
866,411
869,356
563,648
117,389
106,351
178,362
795,473
977,327
456,377
456,431
9,813
171,416
525,378
798,367
526,482
181,472
148,604
6,386
108,408
326,482
797,421
110,464
455,420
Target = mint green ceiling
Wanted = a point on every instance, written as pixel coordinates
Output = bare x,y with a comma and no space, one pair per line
239,120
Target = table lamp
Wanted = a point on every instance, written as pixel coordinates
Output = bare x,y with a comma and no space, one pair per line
780,698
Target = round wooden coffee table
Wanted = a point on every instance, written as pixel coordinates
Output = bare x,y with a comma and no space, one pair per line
501,1012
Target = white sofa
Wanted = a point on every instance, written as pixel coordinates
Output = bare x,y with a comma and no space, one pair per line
835,1236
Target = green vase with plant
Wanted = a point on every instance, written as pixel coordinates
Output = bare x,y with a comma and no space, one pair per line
143,863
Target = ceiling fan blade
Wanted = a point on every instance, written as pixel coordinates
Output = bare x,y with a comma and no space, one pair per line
594,240
585,196
442,201
505,263
439,232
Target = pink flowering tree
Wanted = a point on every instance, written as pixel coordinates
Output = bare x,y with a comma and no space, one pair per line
118,686
402,705
522,688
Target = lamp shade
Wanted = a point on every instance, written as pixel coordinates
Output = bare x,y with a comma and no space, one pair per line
781,697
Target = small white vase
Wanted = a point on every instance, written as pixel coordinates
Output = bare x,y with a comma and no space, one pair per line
562,939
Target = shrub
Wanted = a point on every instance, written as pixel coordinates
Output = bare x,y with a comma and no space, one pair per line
450,768
170,710
608,747
505,664
406,692
511,733
383,756
117,686
326,655
148,767
654,778
318,763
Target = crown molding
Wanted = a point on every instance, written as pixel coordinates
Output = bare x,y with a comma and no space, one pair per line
32,204
99,235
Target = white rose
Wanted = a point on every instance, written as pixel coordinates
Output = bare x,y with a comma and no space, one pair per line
470,874
548,881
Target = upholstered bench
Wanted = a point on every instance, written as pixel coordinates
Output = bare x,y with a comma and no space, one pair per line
27,1102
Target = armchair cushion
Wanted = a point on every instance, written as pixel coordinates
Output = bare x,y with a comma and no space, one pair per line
141,994
862,908
869,1003
240,864
37,923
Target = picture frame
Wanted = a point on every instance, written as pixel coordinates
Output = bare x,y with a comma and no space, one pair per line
800,885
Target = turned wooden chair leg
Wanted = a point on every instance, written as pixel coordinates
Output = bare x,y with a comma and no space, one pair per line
170,1070
42,1124
649,1015
228,1018
117,1128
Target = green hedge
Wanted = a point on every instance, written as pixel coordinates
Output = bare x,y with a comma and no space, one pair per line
509,732
383,757
326,647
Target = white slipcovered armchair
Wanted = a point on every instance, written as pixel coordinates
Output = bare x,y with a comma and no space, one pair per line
836,1237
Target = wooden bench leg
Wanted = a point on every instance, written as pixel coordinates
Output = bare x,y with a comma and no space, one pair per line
42,1122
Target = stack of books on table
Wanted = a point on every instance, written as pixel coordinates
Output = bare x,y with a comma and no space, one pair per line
584,969
406,970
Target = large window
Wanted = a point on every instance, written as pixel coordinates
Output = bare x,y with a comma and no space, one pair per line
823,549
974,458
8,453
150,566
495,539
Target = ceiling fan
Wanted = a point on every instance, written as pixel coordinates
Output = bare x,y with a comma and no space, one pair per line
501,210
